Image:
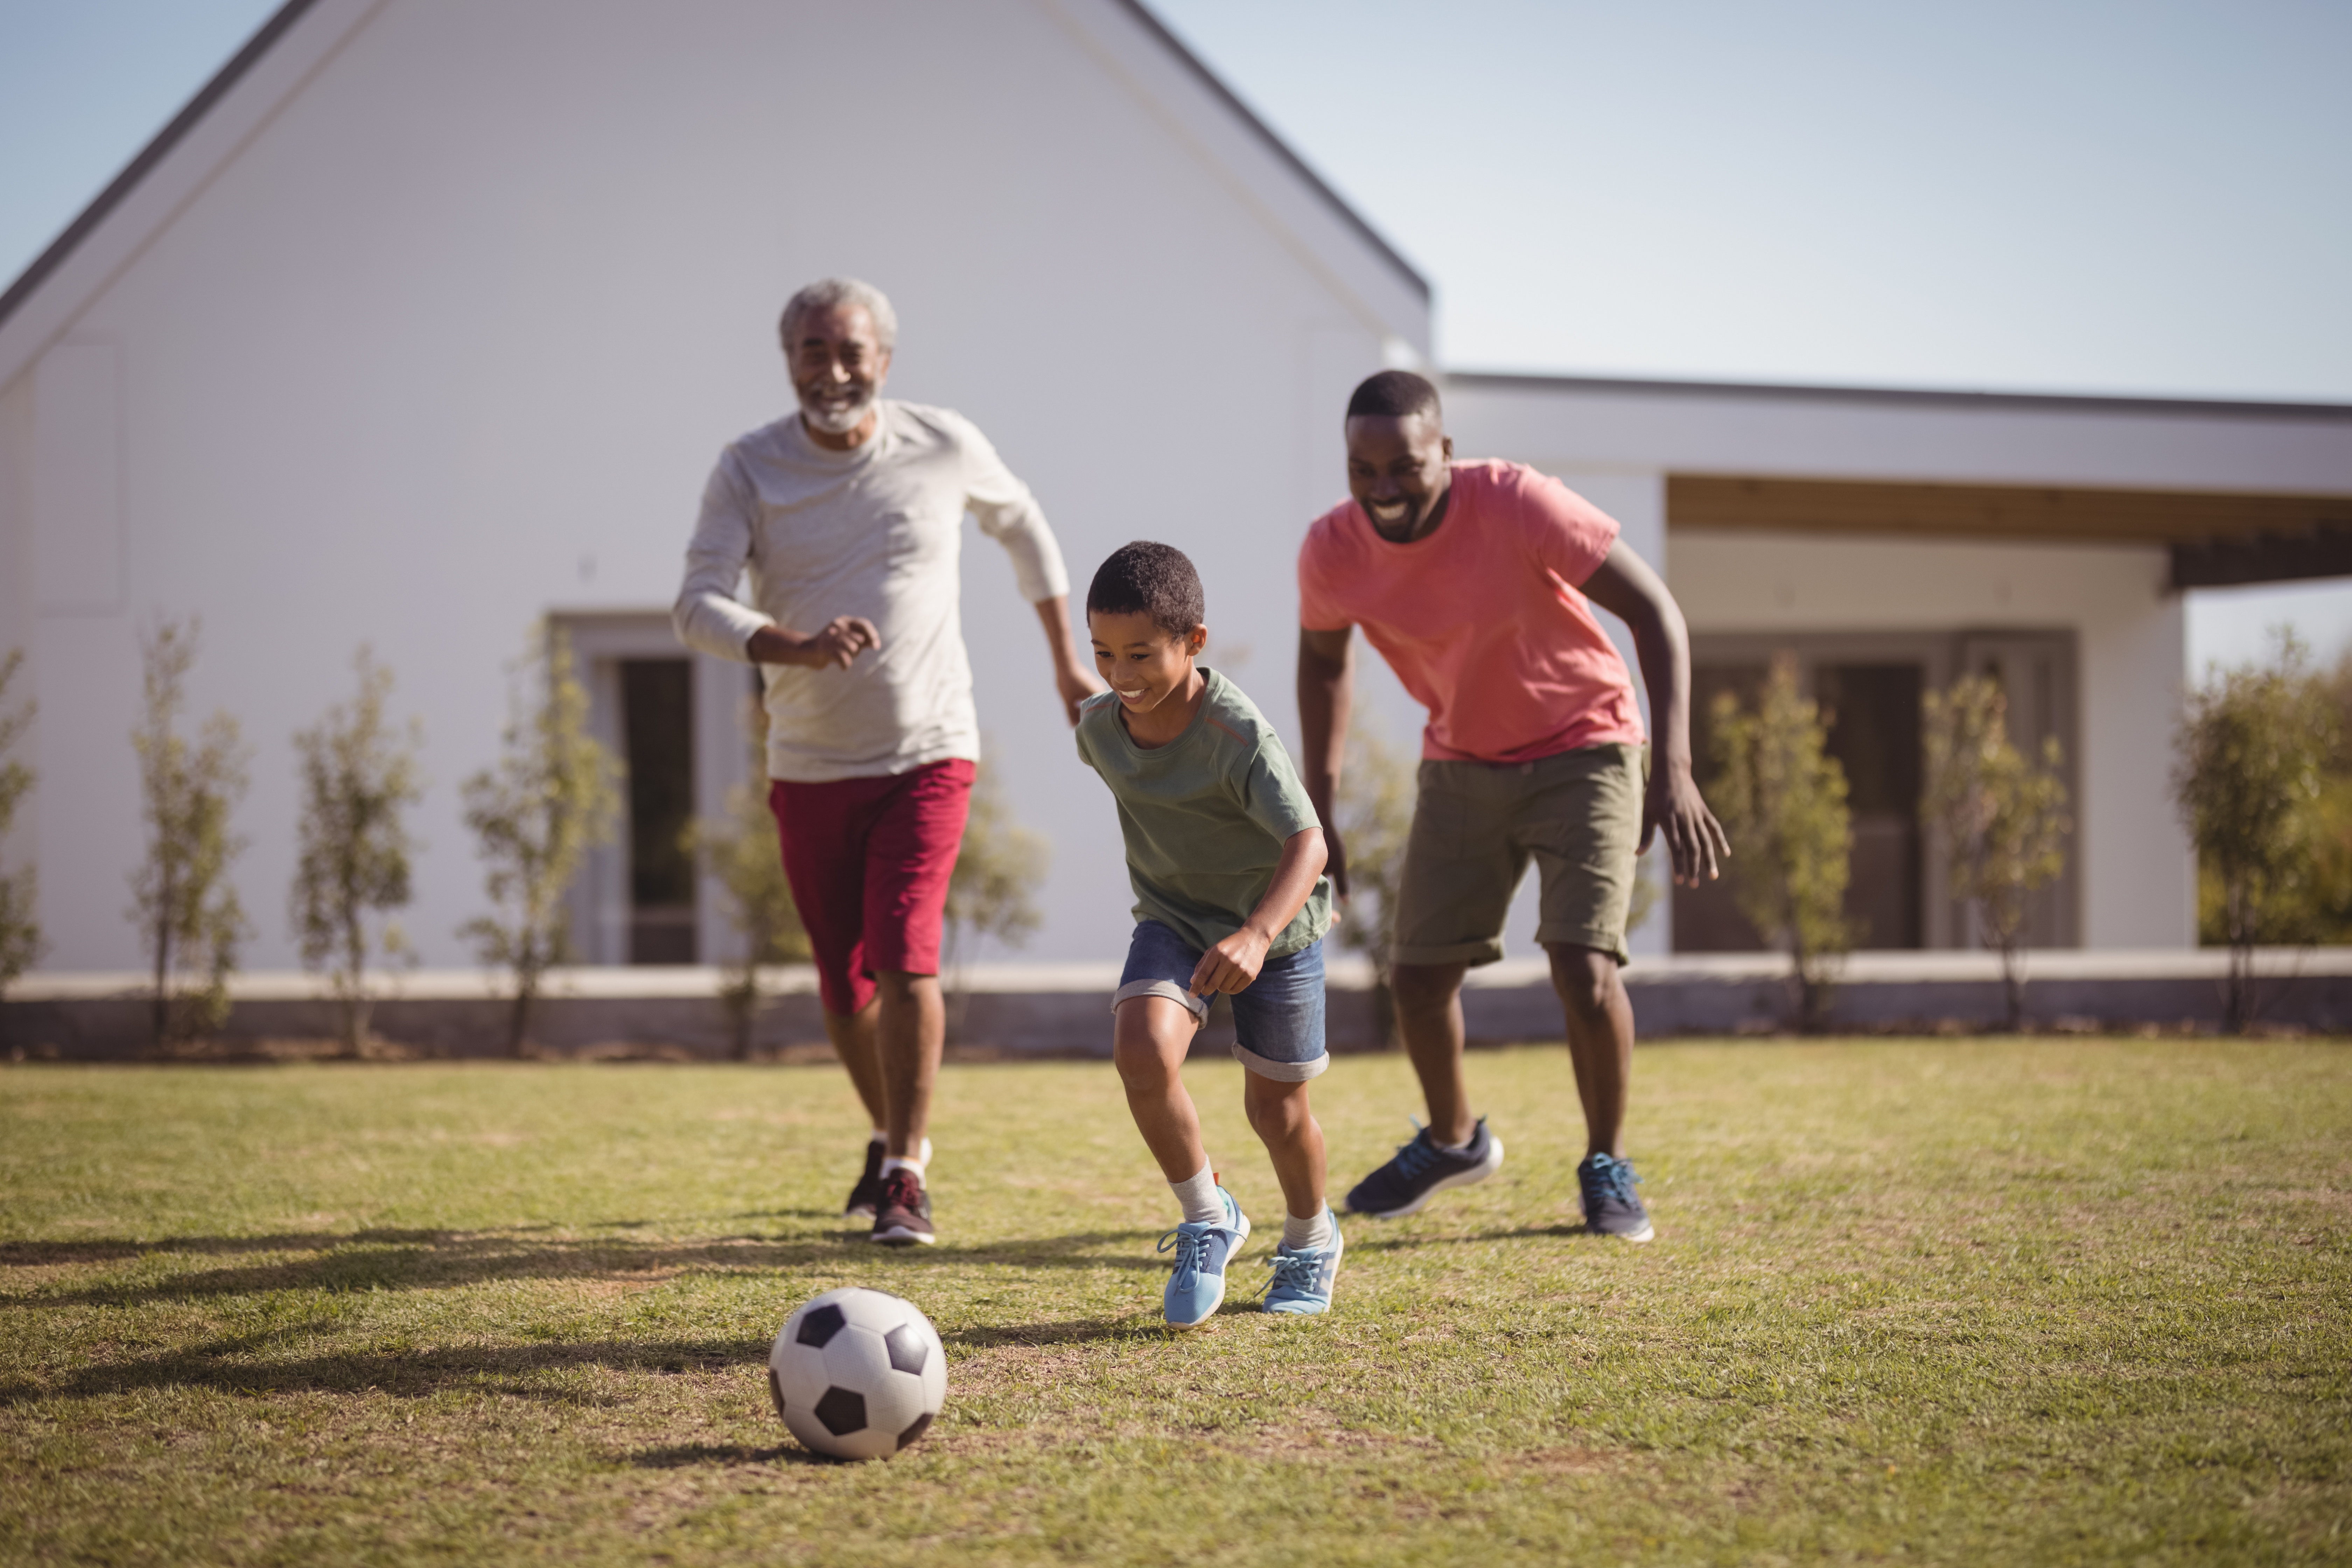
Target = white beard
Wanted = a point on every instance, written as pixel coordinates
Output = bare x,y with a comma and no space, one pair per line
838,420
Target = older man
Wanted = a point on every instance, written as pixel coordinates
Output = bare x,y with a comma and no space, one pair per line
848,516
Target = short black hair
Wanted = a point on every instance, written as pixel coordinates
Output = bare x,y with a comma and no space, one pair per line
1395,394
1156,580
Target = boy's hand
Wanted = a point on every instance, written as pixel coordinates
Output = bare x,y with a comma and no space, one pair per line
1231,965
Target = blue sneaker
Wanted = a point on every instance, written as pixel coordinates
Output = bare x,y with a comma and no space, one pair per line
1197,1287
1611,1205
1302,1282
1422,1170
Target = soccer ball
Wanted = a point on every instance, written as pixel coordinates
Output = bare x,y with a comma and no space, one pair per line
858,1375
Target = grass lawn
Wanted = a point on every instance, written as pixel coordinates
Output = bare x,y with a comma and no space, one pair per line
1954,1301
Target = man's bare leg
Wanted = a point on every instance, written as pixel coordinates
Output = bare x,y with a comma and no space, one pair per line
1429,1014
856,1042
1599,1041
1445,1155
910,1036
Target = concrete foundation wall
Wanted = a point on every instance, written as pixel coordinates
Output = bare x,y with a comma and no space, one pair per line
1013,1011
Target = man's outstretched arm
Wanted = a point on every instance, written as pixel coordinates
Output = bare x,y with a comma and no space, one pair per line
1327,668
1625,585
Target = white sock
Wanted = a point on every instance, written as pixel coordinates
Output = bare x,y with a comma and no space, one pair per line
1461,1148
881,1135
1310,1235
921,1159
1197,1195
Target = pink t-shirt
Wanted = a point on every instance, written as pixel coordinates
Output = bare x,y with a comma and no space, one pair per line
1483,620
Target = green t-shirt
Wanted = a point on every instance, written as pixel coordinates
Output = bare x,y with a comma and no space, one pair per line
1206,816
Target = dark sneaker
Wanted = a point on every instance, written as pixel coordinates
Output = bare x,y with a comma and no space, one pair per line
1612,1207
869,1190
902,1217
1422,1170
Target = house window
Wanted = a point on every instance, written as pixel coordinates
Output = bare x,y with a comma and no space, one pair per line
1869,688
657,723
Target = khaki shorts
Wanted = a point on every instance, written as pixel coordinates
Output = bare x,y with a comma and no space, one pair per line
1577,814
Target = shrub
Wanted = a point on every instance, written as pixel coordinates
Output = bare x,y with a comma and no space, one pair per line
1377,792
2004,818
20,929
182,902
2251,752
552,796
741,850
1782,799
999,868
358,776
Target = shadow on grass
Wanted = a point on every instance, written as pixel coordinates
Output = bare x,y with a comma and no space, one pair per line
422,1260
679,1455
519,1370
1075,1331
1564,1231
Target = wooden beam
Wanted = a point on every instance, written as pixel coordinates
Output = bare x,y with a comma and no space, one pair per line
2270,558
1996,512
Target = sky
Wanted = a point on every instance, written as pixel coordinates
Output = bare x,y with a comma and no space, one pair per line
2142,198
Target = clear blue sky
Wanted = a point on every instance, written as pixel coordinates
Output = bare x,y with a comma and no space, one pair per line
2142,198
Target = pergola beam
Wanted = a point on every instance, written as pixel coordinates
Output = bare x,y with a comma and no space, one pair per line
2216,539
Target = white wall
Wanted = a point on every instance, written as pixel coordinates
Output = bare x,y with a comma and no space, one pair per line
452,340
2138,870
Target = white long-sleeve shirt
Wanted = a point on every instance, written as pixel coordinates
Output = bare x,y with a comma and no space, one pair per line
875,531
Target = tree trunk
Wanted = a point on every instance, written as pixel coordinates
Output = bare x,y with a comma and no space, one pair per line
518,1018
355,998
2012,987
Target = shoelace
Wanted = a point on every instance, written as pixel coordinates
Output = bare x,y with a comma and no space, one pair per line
1414,1157
1191,1250
901,1188
1615,1178
1292,1271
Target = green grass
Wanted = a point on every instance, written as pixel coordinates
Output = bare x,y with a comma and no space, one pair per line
1954,1301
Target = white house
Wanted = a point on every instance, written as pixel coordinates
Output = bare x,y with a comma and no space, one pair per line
427,319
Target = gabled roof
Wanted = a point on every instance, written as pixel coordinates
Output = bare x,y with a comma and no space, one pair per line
225,82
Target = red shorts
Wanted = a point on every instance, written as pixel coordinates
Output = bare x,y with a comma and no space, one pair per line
869,861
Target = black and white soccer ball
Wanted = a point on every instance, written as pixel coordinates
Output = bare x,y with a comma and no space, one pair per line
858,1375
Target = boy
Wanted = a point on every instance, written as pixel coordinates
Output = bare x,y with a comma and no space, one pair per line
1226,856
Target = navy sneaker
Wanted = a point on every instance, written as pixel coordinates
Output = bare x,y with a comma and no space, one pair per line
1422,1170
1612,1207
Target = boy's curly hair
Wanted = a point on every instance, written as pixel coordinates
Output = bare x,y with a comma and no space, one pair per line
1156,580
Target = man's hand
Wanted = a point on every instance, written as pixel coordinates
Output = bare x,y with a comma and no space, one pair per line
836,644
1076,686
1694,840
1335,865
1071,678
1231,965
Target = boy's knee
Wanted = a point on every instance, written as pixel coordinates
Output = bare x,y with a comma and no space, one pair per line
1141,1066
1271,1105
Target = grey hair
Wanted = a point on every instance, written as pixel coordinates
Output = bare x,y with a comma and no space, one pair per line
831,294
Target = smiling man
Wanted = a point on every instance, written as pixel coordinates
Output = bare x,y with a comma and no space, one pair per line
1476,582
848,517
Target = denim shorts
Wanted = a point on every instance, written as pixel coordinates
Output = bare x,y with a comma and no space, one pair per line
1277,1018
